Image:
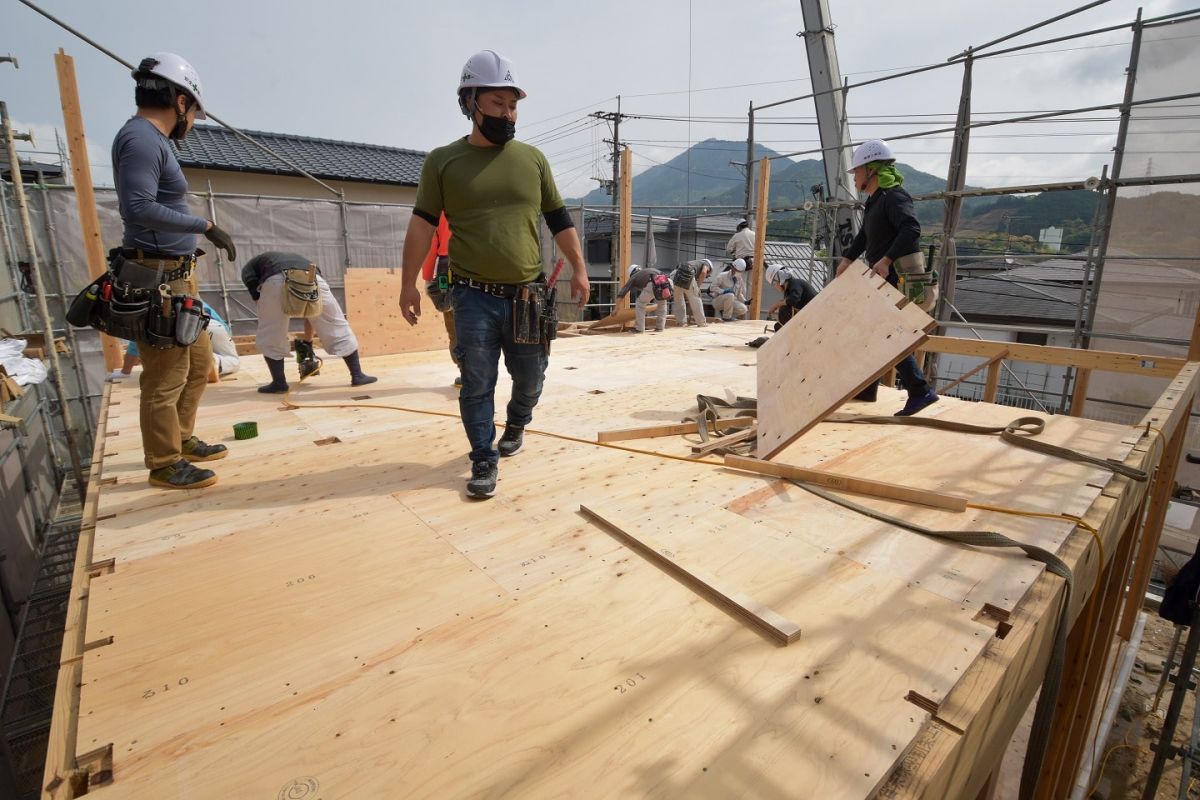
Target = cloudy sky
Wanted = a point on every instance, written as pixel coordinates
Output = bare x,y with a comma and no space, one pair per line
385,72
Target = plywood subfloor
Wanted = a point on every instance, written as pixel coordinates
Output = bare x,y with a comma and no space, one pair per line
337,621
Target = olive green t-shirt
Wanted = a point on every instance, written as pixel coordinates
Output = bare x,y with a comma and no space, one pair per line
493,198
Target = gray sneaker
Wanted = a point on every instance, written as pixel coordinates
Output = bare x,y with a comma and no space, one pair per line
512,441
483,479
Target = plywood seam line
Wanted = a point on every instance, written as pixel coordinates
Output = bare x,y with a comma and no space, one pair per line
1048,698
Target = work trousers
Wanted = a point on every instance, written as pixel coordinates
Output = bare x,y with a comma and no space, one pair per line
172,384
331,326
484,330
645,298
689,297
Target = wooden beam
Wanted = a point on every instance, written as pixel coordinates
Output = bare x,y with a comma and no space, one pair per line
740,605
849,483
655,431
1102,360
1079,396
1081,686
89,218
760,237
725,441
991,387
985,365
625,235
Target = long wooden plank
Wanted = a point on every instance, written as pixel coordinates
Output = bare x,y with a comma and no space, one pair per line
85,196
1102,360
855,329
678,429
849,483
985,365
758,274
739,604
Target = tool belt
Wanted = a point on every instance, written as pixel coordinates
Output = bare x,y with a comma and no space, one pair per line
438,288
301,294
507,290
915,281
133,301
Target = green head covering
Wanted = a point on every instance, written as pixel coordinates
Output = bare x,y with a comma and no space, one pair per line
887,173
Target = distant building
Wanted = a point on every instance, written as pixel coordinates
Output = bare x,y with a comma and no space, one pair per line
1051,238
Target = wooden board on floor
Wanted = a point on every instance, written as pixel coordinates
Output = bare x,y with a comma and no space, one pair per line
373,308
347,624
855,329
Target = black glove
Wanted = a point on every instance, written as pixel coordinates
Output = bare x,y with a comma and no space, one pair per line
221,239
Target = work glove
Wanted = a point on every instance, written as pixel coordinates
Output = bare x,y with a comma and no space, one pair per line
221,239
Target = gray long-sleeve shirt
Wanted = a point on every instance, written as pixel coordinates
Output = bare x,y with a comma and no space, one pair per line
152,192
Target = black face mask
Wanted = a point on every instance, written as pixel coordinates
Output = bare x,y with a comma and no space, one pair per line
497,130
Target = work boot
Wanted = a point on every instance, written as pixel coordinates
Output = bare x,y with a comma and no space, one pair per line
196,450
278,382
483,479
512,441
917,403
182,475
357,376
869,394
306,357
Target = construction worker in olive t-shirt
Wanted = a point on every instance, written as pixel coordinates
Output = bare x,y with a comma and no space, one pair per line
492,190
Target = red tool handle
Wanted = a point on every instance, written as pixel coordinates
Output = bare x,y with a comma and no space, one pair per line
558,267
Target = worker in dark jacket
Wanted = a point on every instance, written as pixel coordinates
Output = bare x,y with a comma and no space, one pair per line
890,231
797,293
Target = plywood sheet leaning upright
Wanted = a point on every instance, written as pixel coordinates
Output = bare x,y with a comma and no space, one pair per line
854,330
371,304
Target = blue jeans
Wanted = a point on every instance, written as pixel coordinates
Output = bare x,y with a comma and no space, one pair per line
483,325
911,378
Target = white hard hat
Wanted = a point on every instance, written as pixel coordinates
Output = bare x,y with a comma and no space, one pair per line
739,264
772,272
632,269
707,263
487,69
868,151
177,71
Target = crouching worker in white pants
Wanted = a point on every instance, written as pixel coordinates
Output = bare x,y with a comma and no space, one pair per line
265,277
643,280
729,292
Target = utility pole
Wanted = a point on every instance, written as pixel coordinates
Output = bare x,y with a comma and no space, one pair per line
830,101
749,160
614,187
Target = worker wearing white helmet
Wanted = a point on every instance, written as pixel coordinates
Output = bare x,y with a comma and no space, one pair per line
652,286
688,279
890,232
494,192
159,248
741,244
797,292
729,292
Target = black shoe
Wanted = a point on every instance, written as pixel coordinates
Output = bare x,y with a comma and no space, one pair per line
182,475
196,450
917,403
483,479
357,376
512,441
278,383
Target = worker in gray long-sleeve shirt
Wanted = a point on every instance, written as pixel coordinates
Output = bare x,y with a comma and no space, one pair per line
159,247
642,279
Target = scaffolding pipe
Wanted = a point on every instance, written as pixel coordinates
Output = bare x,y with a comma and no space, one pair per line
43,309
212,214
1110,205
72,340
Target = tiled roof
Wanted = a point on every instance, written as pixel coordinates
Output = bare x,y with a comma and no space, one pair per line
1002,297
209,147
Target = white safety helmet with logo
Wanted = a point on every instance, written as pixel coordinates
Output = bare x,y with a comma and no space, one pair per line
175,70
870,150
487,69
